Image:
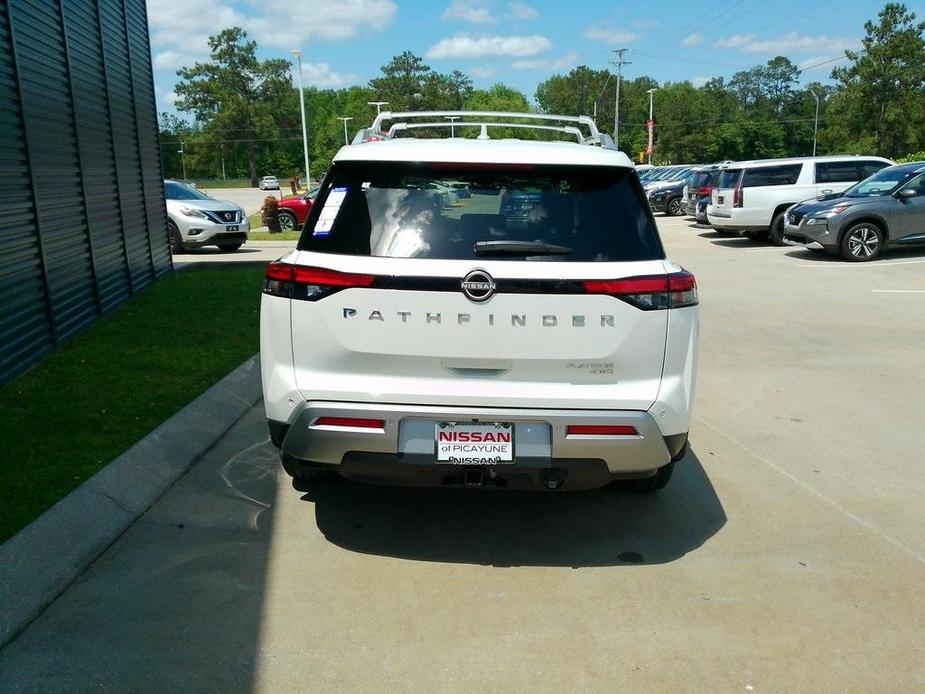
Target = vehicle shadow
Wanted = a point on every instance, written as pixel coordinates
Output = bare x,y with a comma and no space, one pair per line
892,254
212,250
603,527
737,242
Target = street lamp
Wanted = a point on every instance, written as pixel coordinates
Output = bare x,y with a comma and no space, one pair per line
308,175
345,119
182,158
816,123
452,120
651,123
378,105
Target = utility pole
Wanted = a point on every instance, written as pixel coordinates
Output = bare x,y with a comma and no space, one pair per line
619,62
223,162
816,124
651,123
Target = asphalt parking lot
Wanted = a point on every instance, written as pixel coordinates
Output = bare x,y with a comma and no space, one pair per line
787,554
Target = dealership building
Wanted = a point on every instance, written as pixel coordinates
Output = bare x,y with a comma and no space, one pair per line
83,225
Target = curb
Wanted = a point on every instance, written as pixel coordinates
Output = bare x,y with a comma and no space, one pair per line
43,559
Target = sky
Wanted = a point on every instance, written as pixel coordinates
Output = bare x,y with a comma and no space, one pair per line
518,42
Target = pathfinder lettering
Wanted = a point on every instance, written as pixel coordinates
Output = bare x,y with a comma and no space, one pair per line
517,320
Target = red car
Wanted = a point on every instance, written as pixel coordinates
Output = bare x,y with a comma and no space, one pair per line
293,211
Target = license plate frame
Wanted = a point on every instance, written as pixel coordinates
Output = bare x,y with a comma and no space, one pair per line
233,227
452,449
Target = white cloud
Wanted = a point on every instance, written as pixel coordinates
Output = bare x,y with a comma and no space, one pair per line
321,75
600,32
483,71
646,23
170,60
522,11
699,81
181,28
692,40
815,60
471,47
170,98
474,11
567,60
789,43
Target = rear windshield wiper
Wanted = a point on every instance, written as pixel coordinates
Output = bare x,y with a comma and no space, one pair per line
519,248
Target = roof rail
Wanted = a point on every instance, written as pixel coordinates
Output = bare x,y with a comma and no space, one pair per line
583,128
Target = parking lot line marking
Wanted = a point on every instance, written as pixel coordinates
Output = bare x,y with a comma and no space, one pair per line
859,265
898,291
853,516
766,250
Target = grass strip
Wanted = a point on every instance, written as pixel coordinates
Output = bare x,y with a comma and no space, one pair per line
77,410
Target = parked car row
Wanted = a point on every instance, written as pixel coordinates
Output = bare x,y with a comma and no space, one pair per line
849,205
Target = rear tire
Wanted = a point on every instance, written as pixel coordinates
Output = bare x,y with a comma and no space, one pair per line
674,208
230,247
776,232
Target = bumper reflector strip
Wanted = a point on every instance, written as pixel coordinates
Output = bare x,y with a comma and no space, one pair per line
600,430
353,422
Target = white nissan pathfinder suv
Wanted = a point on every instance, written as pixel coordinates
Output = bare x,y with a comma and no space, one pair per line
528,334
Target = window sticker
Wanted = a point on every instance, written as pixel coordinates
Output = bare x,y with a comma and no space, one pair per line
329,212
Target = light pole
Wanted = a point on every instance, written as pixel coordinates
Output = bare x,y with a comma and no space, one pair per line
345,119
378,105
452,120
816,123
651,122
182,158
223,162
308,174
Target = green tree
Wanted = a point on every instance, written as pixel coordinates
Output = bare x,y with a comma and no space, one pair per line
885,84
235,95
403,82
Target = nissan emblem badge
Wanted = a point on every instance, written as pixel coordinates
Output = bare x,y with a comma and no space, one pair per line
478,285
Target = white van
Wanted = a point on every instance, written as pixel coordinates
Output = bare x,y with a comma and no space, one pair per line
752,196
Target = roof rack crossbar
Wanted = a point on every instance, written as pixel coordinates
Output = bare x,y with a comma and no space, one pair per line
594,137
567,129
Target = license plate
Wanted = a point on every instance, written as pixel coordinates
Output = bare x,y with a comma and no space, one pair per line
231,227
474,444
719,199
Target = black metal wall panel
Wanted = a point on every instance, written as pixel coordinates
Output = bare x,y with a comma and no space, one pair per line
125,138
45,89
91,109
25,328
82,216
149,145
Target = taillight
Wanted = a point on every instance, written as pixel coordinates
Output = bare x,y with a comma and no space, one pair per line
704,191
737,194
600,430
650,293
311,283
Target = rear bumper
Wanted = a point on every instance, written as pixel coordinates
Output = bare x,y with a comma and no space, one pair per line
402,452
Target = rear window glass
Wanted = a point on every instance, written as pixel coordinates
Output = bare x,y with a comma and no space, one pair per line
468,212
782,175
729,178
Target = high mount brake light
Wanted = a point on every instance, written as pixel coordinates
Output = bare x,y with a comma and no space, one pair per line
283,279
650,293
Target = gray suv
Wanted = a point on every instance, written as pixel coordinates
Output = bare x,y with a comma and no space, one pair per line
883,211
